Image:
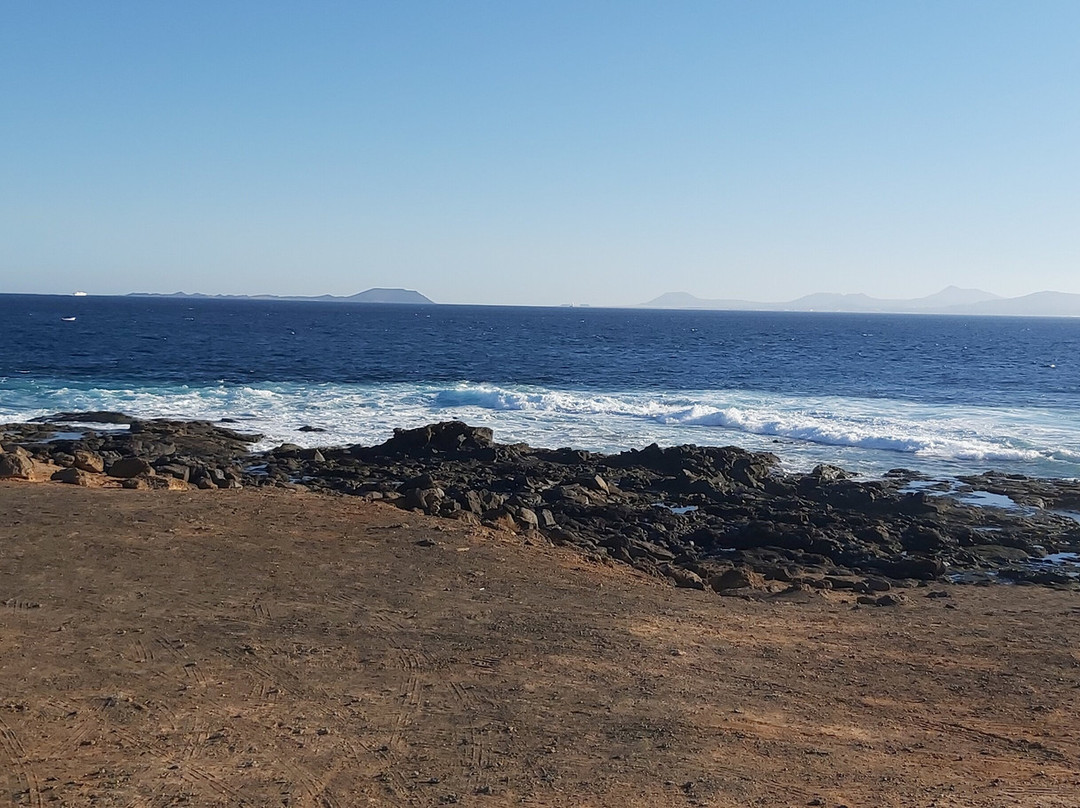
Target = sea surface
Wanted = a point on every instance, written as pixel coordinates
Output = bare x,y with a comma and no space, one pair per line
945,395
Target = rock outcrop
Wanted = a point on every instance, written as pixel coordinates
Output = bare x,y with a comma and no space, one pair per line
719,518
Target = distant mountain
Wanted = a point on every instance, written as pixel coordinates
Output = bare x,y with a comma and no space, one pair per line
377,295
953,296
389,296
1060,304
951,300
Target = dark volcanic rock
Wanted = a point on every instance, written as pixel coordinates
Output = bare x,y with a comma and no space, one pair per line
130,467
94,417
452,439
693,514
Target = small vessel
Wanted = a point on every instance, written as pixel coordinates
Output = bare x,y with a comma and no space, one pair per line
68,319
79,294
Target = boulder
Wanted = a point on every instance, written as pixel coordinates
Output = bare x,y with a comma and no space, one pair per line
88,461
526,517
825,473
682,577
18,464
129,467
737,578
452,438
72,475
176,471
424,499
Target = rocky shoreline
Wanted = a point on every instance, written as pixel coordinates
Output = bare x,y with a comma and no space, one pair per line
718,518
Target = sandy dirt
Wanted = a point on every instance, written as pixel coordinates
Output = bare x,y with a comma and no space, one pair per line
284,649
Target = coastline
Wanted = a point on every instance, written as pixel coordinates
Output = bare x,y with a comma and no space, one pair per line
714,518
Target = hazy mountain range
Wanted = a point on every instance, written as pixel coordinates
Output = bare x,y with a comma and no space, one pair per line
408,296
951,300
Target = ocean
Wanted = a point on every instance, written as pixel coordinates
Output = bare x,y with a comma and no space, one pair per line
869,392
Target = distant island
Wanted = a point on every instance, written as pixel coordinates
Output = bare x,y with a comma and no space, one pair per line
951,300
377,295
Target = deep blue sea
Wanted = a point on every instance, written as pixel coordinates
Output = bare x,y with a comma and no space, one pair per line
946,395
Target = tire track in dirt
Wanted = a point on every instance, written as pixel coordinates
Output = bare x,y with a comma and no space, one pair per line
406,702
177,649
1023,745
140,652
475,755
71,738
20,764
272,680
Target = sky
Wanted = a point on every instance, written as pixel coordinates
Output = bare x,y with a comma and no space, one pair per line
520,152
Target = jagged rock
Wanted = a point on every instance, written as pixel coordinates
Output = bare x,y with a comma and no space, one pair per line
17,463
526,517
452,438
597,483
471,502
640,548
825,473
88,461
424,499
701,509
175,470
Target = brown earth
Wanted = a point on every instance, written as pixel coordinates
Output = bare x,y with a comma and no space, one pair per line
275,648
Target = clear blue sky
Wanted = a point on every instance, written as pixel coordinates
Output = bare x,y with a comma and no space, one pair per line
540,152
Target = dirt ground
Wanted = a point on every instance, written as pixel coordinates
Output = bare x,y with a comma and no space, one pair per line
284,649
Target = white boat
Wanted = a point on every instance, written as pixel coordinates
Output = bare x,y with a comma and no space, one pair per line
68,319
79,294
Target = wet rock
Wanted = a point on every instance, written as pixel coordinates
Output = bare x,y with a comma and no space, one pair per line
997,554
824,473
93,417
452,438
1036,575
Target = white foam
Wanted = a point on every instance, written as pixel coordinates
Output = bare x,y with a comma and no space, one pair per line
863,434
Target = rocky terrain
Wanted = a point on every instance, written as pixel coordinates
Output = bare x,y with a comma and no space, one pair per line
724,519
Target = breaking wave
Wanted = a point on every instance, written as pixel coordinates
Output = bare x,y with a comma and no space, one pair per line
870,435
